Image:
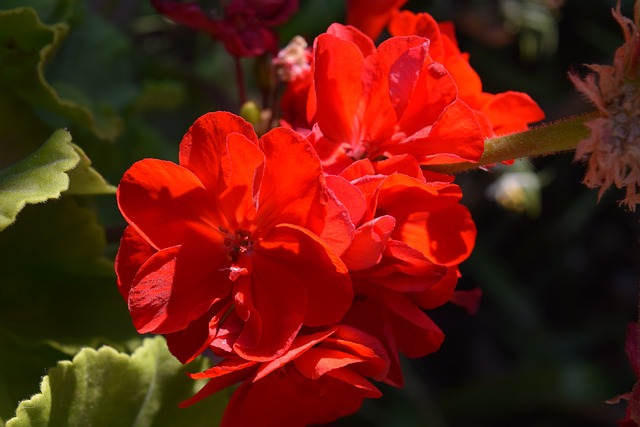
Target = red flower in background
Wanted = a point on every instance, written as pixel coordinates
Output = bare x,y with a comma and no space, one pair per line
367,103
245,26
226,241
402,238
371,17
498,114
322,377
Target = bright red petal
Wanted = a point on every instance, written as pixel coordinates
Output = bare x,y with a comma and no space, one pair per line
174,287
242,168
292,188
338,86
354,35
272,302
206,142
368,243
317,270
511,112
164,201
225,374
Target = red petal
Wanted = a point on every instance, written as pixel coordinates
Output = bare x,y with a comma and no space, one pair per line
301,344
415,333
511,112
292,188
338,228
338,86
349,196
174,287
285,398
164,201
358,170
317,270
455,137
404,59
272,302
205,143
407,23
242,168
371,17
469,300
190,342
354,35
440,292
316,362
368,243
225,374
132,253
452,234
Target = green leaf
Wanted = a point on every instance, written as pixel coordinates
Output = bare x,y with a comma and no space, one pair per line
40,177
58,293
57,286
26,45
58,166
106,388
85,180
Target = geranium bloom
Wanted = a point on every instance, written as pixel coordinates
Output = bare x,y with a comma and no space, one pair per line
498,114
612,151
322,377
371,103
230,230
402,239
245,26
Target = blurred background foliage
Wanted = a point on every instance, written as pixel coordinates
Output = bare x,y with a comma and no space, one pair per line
559,271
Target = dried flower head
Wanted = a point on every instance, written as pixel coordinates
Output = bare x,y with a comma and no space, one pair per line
612,151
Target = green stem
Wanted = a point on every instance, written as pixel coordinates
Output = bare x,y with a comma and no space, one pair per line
550,138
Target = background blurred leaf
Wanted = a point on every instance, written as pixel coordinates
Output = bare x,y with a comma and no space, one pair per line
107,388
26,45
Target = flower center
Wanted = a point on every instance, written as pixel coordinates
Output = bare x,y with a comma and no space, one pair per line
239,244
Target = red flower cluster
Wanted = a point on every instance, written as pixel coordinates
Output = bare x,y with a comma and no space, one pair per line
304,262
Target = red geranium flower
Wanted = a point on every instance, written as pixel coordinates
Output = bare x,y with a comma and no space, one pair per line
402,238
245,26
322,377
371,103
232,228
498,114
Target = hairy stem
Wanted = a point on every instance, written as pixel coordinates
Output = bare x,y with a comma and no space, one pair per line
550,138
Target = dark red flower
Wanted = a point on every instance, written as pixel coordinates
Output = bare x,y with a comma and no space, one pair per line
321,377
233,230
245,26
498,114
632,349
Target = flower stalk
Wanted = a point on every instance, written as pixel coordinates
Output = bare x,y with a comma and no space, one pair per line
560,136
